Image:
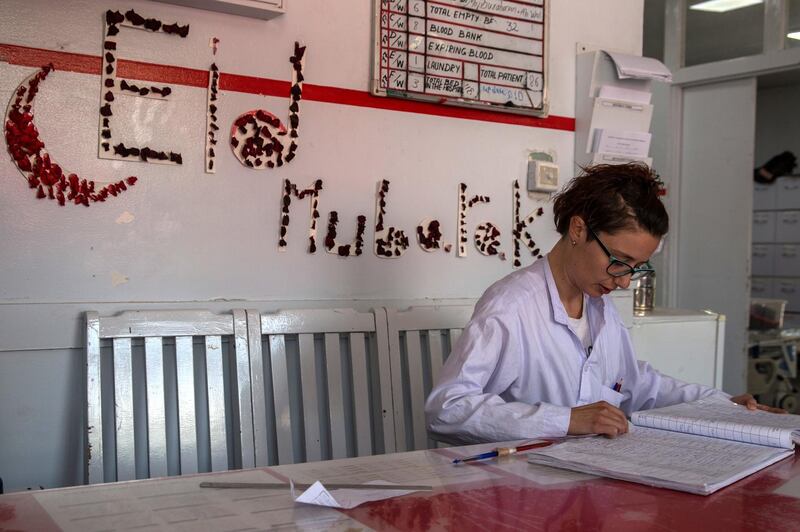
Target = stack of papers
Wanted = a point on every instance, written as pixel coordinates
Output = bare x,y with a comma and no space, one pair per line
631,144
610,92
637,67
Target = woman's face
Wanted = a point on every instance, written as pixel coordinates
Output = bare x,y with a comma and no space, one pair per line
588,264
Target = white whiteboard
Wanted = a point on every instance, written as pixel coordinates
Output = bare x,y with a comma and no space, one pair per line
490,54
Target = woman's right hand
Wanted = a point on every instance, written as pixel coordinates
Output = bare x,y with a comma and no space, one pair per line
597,418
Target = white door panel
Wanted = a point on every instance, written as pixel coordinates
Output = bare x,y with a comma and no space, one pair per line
715,205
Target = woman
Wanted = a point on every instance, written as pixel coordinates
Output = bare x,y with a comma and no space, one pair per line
545,353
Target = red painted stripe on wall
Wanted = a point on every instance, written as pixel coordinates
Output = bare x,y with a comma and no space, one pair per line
192,77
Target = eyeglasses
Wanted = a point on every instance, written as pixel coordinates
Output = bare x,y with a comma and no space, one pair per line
618,268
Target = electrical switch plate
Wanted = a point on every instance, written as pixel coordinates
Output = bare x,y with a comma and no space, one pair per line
542,176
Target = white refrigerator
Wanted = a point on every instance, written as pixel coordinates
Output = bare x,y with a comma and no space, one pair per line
685,344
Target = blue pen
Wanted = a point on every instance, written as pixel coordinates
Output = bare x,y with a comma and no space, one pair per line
618,386
482,456
504,451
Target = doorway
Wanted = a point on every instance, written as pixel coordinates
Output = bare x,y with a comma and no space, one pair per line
727,247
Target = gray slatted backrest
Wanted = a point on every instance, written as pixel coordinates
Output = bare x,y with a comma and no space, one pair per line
321,386
175,434
420,339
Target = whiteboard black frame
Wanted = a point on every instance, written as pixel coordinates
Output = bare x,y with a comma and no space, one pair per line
376,90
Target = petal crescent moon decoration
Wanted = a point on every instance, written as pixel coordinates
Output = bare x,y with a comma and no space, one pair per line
29,154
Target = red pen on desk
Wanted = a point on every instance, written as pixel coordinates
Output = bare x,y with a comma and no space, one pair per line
503,451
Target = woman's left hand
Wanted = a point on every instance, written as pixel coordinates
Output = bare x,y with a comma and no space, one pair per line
749,401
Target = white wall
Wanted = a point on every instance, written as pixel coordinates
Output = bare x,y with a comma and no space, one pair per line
203,240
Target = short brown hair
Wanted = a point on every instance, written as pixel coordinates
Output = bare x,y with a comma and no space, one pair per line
613,197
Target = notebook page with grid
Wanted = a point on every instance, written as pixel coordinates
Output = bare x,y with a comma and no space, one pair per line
675,460
721,418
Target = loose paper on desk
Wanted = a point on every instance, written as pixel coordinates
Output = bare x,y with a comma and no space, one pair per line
638,67
345,498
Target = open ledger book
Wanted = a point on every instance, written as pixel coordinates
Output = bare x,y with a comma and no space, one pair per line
697,447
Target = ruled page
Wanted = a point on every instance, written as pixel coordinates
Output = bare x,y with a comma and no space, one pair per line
661,458
720,418
179,504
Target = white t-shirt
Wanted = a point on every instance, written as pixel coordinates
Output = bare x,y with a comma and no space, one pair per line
581,328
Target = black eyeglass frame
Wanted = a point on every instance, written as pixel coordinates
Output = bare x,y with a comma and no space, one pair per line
636,272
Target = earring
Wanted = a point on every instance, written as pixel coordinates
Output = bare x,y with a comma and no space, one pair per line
573,242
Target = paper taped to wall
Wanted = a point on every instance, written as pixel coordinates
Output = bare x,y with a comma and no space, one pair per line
628,143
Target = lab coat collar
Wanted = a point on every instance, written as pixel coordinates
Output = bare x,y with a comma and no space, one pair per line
595,306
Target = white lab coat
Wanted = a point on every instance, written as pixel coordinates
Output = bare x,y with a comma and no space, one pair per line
518,367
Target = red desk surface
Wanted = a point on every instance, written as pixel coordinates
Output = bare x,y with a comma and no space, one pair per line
597,504
492,495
